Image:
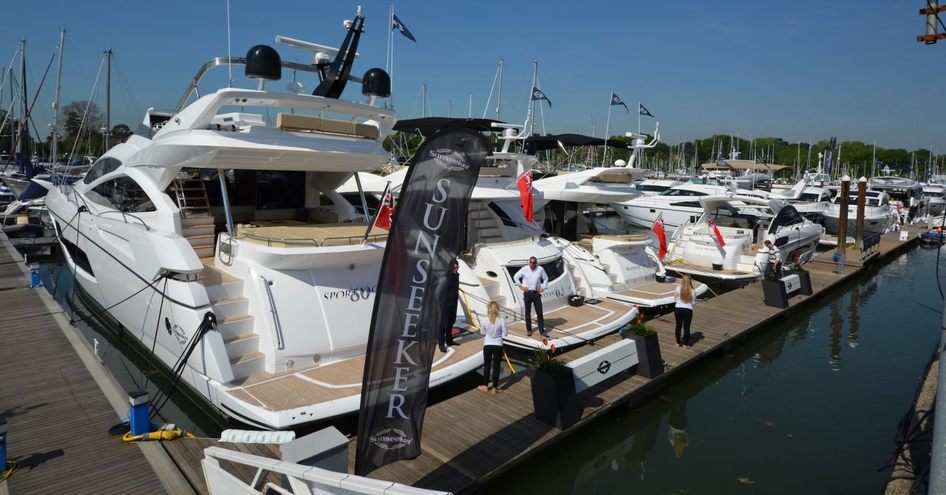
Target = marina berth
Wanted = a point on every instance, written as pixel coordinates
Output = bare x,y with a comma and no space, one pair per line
880,215
227,207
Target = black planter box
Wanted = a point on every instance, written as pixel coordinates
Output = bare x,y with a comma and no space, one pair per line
773,293
804,279
649,362
554,398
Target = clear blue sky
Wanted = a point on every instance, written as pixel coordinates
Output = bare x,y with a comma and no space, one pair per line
800,70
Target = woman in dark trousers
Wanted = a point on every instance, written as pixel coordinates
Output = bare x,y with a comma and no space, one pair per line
494,329
684,299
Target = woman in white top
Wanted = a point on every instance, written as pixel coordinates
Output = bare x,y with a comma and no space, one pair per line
494,329
684,299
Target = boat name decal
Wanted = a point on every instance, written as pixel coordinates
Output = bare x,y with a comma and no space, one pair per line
354,294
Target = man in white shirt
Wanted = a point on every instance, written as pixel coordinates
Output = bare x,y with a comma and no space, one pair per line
773,268
533,280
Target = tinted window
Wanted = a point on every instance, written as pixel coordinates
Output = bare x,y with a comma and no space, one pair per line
553,269
123,194
100,168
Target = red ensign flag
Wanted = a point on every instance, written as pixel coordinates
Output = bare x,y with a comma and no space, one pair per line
658,229
716,232
525,194
386,212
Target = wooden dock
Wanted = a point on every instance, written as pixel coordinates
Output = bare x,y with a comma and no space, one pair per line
58,418
58,422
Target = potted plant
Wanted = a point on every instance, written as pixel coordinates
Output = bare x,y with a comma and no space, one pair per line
553,389
649,362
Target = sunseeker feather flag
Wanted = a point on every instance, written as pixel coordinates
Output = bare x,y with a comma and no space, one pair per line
658,228
616,100
524,184
537,94
716,232
422,245
397,24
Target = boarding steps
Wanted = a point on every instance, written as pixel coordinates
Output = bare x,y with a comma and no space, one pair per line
615,285
484,223
234,322
197,221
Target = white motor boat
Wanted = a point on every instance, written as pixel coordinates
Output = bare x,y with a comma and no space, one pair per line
291,289
935,195
678,204
809,200
880,215
744,223
906,196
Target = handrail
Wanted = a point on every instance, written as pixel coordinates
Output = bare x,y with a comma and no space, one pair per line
280,343
126,214
218,61
314,242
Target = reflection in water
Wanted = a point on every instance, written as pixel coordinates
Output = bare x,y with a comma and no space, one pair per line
677,432
836,321
853,307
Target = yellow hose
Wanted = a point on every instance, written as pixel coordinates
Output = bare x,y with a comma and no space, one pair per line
159,435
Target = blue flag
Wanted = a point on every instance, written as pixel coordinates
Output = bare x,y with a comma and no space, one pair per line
537,94
616,100
644,111
403,29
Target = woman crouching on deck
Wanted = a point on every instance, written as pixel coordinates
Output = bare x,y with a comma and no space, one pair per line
494,329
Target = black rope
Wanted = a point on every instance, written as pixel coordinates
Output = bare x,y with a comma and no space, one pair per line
157,324
209,322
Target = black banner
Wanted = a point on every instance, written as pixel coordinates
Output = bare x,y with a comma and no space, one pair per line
423,242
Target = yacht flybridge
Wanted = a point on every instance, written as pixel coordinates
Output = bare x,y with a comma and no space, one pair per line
284,264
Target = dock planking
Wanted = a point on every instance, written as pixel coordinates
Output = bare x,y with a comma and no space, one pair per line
57,417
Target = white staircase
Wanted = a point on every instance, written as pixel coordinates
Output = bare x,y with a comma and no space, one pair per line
199,232
234,323
483,223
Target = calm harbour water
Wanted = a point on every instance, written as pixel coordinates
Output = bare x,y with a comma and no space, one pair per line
808,405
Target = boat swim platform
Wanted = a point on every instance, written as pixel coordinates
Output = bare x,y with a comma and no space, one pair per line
58,417
499,431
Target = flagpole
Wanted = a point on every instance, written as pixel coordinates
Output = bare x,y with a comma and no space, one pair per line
638,117
391,44
607,129
530,120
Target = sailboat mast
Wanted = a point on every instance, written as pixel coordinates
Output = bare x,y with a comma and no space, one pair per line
873,167
499,94
54,152
108,96
23,103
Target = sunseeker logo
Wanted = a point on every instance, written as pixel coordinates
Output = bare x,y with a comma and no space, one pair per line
390,439
449,159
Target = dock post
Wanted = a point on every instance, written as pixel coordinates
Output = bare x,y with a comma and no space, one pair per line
842,222
138,412
3,444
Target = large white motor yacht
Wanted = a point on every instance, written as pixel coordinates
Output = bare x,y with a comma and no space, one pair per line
291,289
744,223
880,215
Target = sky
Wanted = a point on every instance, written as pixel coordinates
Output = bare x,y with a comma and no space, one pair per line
802,70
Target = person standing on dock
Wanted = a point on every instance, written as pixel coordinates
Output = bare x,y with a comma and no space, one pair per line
445,335
684,299
494,329
773,268
533,280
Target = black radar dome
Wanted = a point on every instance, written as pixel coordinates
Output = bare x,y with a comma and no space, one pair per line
376,82
263,62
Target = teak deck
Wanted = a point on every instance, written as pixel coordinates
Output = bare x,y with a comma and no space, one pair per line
497,432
